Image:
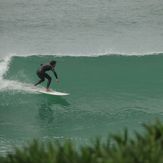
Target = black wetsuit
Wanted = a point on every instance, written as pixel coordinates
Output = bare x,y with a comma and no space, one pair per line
41,73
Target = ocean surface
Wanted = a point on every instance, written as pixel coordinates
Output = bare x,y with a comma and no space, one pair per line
109,57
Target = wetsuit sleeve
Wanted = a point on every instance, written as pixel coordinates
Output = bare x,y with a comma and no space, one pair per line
55,73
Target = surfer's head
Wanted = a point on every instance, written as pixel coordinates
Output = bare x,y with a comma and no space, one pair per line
53,63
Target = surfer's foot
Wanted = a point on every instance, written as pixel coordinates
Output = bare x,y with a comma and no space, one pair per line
47,89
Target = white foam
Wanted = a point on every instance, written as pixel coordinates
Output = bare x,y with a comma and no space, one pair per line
11,84
4,65
93,54
17,86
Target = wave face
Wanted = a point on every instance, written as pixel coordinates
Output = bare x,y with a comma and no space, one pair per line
75,27
107,93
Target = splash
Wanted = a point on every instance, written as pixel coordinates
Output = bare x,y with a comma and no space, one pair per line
6,85
4,65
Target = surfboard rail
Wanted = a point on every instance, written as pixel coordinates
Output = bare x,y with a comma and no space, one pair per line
52,92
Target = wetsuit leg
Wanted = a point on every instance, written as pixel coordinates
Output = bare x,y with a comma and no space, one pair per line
49,79
41,76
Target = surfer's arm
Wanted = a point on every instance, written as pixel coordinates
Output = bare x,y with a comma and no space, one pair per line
55,74
57,80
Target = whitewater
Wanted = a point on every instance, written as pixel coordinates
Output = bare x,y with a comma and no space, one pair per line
109,57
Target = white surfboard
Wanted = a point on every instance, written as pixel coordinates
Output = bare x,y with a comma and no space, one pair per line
52,92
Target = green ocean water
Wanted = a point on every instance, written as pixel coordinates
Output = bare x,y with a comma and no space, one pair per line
107,94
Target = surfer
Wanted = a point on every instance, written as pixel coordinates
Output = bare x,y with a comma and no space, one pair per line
41,73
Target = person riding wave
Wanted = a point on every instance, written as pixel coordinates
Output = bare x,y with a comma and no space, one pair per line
41,73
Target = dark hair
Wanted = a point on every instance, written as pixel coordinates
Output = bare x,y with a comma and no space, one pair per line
52,62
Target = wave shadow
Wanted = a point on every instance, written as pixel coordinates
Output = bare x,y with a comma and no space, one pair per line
49,105
59,100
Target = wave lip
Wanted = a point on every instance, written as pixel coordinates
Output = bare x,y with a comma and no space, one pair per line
98,54
4,65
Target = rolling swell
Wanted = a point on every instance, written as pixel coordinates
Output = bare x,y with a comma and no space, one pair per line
107,93
111,71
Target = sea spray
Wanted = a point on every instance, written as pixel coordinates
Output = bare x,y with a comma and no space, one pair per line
6,85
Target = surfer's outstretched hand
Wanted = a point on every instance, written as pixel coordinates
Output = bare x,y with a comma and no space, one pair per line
57,80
